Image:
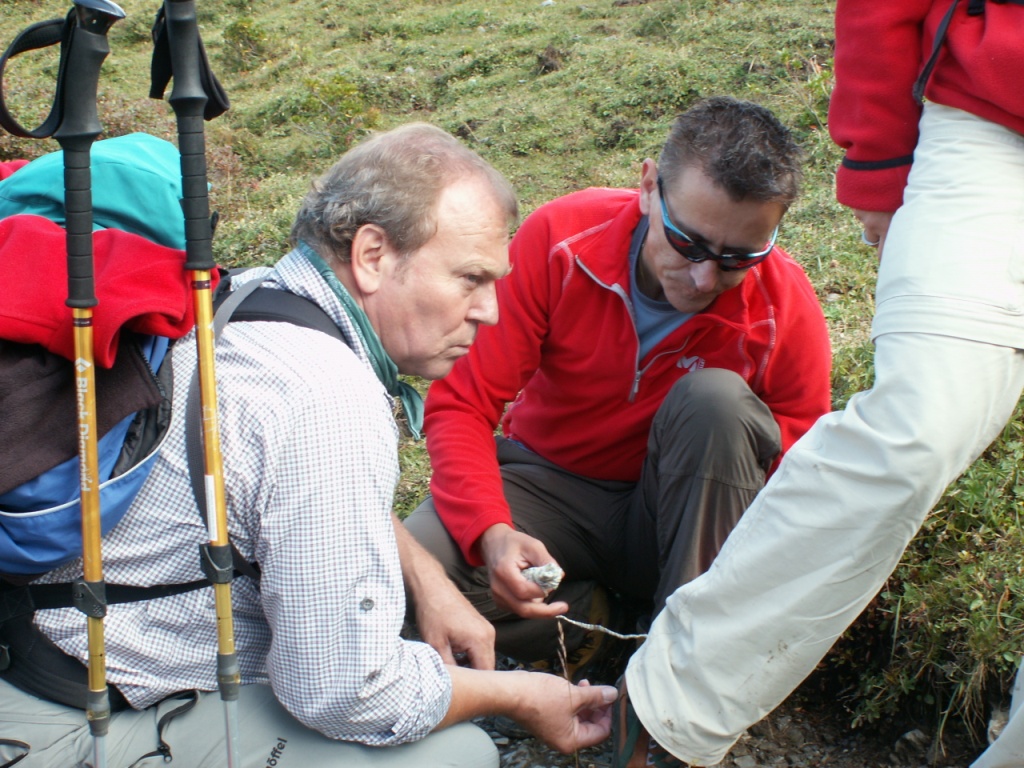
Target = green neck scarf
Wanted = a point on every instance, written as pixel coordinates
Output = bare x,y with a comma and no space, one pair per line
383,365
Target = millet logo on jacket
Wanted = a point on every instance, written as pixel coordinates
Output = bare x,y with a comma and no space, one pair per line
694,363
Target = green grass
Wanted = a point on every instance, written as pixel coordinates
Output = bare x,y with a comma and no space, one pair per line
560,97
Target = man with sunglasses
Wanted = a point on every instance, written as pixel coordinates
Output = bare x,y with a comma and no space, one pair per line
656,354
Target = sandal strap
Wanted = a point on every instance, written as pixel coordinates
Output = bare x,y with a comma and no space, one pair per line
627,730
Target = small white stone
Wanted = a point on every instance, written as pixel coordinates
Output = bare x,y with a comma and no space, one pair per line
547,576
997,722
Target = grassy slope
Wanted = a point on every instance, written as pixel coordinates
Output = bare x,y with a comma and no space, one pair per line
560,96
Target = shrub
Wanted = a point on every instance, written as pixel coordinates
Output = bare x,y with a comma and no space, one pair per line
246,45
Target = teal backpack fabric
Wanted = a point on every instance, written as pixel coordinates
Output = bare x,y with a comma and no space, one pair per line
136,182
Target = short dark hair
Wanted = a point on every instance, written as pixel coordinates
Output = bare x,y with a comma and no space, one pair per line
740,145
393,179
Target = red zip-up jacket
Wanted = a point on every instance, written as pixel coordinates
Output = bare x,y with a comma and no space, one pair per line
881,49
564,354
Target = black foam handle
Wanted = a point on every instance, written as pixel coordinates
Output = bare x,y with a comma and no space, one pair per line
77,131
188,99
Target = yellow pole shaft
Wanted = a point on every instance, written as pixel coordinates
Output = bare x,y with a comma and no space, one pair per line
88,460
213,459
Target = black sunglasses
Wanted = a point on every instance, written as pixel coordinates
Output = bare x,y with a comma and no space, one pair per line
693,251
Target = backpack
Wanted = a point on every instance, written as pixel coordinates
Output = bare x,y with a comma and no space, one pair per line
40,520
137,213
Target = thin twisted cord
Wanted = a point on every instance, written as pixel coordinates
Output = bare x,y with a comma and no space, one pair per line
599,628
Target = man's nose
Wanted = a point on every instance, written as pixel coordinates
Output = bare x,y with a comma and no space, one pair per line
485,305
706,275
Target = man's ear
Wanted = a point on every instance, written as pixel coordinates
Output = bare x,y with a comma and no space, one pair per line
648,185
369,247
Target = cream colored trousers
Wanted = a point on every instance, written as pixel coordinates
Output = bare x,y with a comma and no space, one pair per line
830,526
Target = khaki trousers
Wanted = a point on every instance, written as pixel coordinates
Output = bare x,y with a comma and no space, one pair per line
39,734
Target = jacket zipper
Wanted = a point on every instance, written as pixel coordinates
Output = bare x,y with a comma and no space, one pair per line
639,372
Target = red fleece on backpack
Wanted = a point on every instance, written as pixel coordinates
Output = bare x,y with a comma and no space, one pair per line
139,285
10,166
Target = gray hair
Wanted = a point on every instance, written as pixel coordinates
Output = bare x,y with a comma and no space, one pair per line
740,145
394,180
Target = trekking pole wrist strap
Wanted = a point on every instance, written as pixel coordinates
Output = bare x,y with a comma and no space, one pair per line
42,34
161,71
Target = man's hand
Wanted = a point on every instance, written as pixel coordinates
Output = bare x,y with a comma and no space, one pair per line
506,552
567,717
564,716
451,625
446,620
876,226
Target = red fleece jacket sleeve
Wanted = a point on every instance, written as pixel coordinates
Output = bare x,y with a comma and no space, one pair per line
873,114
796,383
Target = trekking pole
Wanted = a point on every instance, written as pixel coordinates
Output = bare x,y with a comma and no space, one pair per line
74,123
189,100
78,128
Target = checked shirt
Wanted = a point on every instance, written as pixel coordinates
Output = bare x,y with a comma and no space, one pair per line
311,462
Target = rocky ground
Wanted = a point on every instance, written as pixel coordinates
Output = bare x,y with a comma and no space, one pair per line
808,730
799,734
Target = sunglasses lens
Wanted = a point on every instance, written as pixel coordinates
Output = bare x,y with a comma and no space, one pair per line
733,263
682,246
687,248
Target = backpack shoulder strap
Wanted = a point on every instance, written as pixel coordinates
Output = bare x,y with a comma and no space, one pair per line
249,302
940,36
25,652
252,302
273,305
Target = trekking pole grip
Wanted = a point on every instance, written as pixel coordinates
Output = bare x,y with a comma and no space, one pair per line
78,129
188,99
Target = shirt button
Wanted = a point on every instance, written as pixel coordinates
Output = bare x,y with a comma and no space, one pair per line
366,604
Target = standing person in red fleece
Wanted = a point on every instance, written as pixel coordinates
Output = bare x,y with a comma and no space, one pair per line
940,189
659,352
